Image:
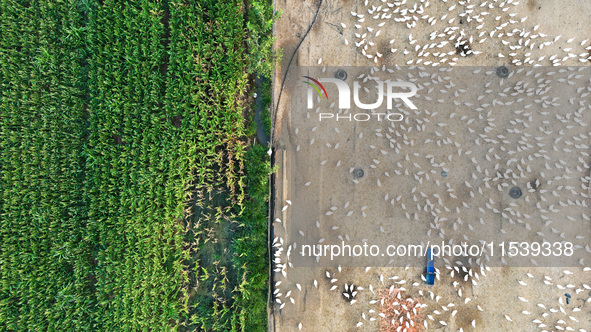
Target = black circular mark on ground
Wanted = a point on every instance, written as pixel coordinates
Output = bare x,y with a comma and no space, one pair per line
515,192
298,35
463,48
502,72
533,184
462,268
340,74
358,173
350,291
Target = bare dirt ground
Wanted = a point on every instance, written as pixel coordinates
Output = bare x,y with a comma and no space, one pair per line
487,138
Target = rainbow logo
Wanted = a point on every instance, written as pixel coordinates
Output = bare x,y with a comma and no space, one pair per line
315,87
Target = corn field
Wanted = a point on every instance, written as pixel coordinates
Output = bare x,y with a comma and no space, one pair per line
129,197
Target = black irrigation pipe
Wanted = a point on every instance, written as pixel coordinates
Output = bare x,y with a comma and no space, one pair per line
287,70
270,232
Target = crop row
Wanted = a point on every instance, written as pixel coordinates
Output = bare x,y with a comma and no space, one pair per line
130,200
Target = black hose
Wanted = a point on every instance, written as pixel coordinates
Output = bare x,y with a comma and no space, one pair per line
287,71
270,232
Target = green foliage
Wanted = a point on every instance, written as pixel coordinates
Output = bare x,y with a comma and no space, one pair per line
251,129
262,56
252,243
267,104
44,269
129,200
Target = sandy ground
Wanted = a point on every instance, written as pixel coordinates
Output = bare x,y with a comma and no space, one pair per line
487,138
